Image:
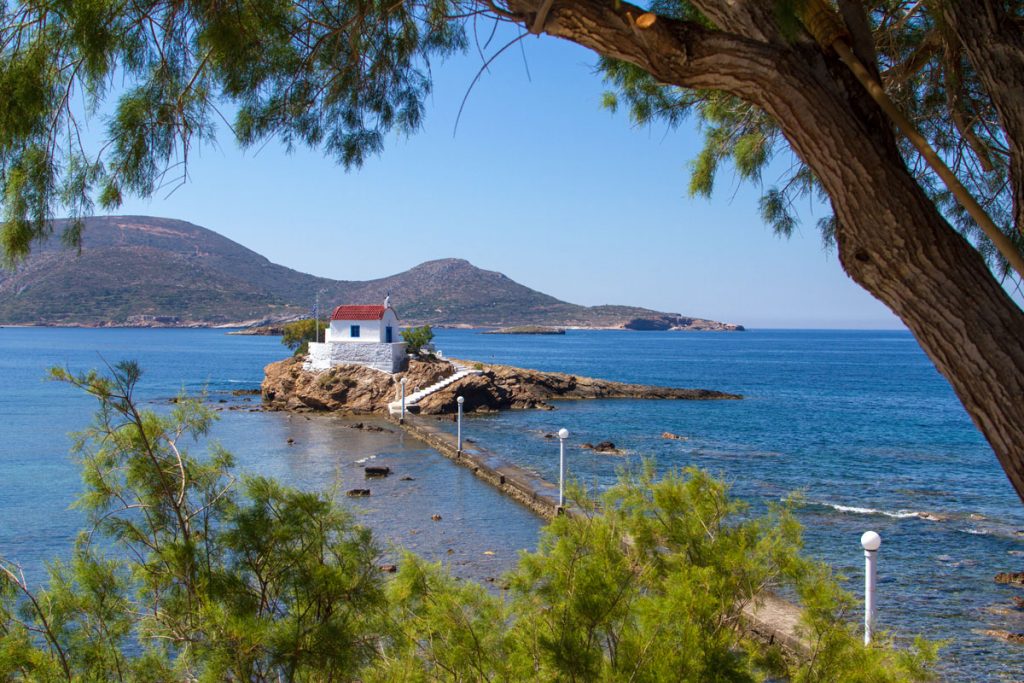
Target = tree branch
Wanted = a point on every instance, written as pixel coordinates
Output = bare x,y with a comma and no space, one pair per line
673,51
994,43
855,18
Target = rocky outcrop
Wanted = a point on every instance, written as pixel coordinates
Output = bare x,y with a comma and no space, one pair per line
503,387
350,388
356,389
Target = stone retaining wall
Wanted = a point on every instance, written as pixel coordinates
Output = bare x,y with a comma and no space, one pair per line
388,358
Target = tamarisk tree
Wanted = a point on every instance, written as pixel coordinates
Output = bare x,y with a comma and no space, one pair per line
906,117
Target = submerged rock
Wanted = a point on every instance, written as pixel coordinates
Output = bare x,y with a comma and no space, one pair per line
602,447
368,427
933,516
1013,578
376,471
1008,636
358,493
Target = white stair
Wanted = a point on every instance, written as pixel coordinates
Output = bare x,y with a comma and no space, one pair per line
395,407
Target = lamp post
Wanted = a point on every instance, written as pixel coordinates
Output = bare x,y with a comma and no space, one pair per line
402,417
871,542
460,401
563,434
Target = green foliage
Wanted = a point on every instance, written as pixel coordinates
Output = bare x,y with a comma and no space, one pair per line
923,69
647,584
336,76
298,334
185,574
198,578
417,337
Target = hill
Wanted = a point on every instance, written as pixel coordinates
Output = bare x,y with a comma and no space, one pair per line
136,270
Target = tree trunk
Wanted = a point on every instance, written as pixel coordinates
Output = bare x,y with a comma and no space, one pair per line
892,240
894,243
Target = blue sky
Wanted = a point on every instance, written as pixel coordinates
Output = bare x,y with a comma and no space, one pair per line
539,183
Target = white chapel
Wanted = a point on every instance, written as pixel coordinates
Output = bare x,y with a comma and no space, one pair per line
360,335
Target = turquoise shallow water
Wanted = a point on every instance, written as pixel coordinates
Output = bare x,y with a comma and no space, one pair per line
859,422
39,481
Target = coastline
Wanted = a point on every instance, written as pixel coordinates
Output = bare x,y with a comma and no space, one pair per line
488,387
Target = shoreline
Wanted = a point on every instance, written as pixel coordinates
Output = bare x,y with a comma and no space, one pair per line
432,388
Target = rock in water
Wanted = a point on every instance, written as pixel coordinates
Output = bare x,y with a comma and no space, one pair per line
603,447
1008,636
367,428
358,493
674,437
375,471
1015,578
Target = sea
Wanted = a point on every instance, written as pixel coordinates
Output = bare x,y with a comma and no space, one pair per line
859,424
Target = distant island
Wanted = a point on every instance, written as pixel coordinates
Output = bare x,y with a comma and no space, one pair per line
139,271
526,329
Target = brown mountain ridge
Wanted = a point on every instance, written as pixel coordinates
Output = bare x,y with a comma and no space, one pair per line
139,270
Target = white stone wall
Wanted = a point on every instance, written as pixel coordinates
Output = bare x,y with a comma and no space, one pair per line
370,331
384,357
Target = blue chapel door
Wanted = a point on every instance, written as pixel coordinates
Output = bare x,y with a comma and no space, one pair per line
387,334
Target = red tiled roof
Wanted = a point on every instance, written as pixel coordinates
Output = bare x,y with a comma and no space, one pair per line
358,313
